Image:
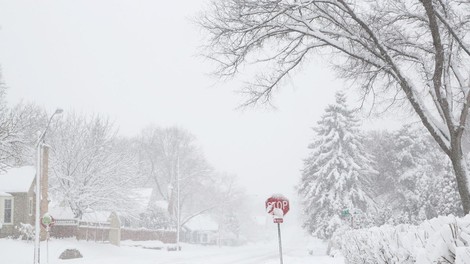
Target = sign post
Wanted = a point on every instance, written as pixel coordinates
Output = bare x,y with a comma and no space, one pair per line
345,213
47,221
278,206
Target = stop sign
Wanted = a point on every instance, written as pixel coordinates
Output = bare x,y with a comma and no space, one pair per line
277,201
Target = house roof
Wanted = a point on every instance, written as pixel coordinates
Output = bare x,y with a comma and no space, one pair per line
59,211
4,194
17,179
202,223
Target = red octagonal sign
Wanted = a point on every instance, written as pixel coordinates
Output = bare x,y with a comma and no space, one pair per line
277,201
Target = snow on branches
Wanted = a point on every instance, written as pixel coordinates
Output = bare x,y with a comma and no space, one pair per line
337,172
415,50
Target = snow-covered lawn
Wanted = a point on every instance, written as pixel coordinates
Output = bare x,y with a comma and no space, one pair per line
21,252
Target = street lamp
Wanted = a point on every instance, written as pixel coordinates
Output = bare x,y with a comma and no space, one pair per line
37,228
170,192
178,221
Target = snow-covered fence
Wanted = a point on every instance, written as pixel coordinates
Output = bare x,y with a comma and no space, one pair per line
445,239
81,230
96,231
99,231
143,234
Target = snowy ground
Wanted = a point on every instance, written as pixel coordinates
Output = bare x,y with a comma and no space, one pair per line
21,252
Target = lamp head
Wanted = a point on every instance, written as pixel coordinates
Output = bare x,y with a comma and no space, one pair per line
59,111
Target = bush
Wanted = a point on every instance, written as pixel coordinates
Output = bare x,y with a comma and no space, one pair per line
438,240
26,231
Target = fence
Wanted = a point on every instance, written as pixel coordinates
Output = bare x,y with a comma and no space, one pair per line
166,236
81,230
100,232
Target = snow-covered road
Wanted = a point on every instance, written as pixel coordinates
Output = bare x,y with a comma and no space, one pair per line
21,252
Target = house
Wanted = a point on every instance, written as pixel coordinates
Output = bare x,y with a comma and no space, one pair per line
201,229
16,199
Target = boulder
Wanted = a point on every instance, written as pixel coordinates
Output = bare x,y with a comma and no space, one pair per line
71,254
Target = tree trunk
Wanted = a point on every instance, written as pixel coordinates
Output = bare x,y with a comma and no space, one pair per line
461,174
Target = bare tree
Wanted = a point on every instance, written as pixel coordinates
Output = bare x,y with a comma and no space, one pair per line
172,160
18,127
418,50
89,168
12,140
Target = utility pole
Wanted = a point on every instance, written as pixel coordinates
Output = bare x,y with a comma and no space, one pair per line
44,186
178,216
37,203
37,227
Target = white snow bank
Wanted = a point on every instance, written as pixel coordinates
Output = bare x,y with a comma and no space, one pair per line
21,252
445,239
150,244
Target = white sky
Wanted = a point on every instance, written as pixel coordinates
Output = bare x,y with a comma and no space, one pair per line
137,61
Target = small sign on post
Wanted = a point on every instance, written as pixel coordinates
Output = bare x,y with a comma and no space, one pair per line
278,206
46,222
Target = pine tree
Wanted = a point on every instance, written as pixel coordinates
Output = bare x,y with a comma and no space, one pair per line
336,172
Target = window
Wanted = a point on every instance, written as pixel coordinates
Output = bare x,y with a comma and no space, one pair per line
7,216
30,206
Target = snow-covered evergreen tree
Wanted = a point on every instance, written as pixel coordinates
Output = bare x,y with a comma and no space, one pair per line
337,171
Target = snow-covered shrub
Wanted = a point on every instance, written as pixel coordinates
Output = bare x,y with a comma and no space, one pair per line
26,231
445,239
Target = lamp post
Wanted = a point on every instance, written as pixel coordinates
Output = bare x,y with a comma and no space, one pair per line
178,214
178,221
37,227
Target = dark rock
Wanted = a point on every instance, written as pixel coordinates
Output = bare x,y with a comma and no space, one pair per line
70,254
173,248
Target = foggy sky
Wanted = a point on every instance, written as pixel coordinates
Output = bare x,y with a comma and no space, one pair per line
139,63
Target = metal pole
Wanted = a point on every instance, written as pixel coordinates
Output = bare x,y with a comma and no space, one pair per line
280,241
37,227
38,201
178,203
47,243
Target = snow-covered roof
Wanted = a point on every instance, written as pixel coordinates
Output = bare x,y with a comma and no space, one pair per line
17,179
60,212
202,223
4,194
